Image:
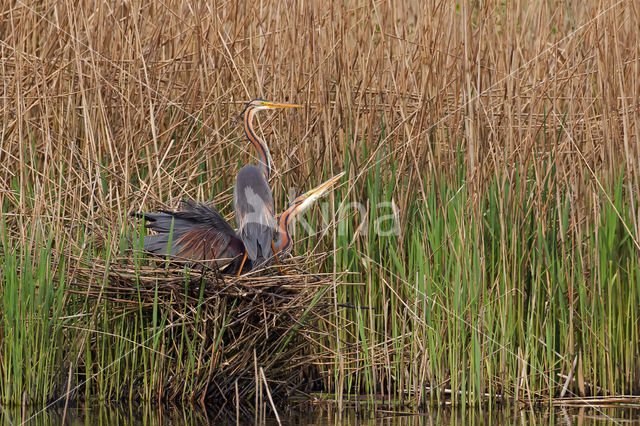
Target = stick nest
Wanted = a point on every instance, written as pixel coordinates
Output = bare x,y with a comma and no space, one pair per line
215,331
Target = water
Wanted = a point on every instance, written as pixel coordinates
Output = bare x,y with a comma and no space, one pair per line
320,416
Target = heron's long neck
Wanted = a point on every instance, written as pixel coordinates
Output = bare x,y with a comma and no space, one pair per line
284,239
261,147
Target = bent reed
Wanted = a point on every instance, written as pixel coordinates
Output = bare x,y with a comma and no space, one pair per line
484,248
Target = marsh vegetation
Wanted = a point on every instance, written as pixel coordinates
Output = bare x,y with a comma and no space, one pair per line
484,246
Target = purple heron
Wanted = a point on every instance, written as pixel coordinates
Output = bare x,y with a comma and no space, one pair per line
252,198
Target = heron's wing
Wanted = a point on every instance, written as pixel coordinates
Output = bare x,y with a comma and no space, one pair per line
199,233
255,218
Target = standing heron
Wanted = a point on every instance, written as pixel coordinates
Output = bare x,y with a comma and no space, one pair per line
252,198
201,233
253,204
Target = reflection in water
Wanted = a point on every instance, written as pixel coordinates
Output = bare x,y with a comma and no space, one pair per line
318,415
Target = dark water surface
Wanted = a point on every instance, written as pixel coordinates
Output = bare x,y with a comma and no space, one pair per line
321,416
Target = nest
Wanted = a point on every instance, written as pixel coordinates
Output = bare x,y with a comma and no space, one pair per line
240,327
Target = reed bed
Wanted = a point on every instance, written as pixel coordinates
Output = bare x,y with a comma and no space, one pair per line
483,247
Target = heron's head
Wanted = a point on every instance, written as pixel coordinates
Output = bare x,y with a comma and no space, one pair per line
261,104
303,201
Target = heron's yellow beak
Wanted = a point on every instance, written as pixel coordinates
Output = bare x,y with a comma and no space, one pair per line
321,189
274,105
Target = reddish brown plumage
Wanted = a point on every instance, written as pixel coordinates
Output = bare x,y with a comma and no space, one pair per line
202,243
196,232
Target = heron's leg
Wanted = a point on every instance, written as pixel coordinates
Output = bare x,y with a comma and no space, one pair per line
281,268
244,259
273,247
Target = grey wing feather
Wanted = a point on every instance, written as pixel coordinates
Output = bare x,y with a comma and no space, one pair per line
254,209
193,226
257,240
